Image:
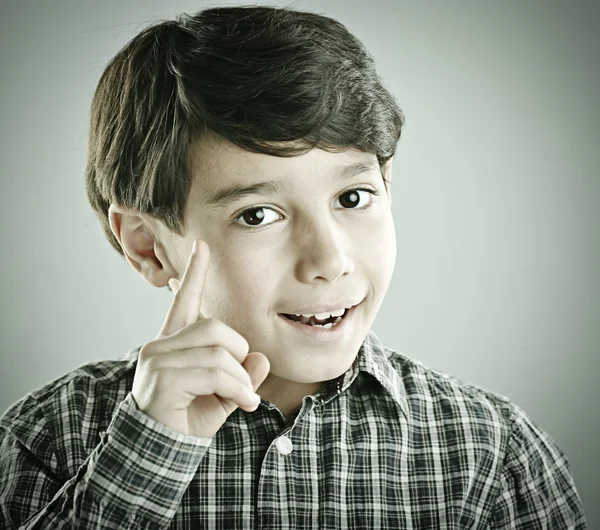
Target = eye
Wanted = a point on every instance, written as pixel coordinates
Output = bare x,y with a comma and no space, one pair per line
254,217
350,200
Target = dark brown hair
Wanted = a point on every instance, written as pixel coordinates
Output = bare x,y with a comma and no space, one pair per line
269,80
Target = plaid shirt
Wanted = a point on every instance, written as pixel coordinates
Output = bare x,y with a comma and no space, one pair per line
390,444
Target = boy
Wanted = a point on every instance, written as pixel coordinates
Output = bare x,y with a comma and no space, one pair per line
242,157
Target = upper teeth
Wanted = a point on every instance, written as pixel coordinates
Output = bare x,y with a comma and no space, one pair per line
324,316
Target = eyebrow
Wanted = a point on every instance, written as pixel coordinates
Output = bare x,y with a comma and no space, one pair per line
224,197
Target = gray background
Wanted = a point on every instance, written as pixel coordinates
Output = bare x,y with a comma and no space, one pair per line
496,195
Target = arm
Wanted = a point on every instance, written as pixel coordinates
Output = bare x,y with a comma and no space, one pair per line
134,478
537,488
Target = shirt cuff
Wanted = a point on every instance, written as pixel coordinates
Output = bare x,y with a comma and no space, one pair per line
142,466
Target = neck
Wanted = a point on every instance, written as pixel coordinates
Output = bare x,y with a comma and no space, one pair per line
286,395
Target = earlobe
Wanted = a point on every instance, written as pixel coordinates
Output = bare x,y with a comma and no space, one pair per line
131,230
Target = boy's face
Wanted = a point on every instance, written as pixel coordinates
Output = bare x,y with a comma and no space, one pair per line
314,244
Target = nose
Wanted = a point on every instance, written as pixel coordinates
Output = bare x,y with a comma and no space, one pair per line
324,252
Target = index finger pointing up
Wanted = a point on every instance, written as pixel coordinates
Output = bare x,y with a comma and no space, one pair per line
185,308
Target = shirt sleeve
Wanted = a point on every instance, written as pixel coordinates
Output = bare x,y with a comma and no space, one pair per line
134,478
537,490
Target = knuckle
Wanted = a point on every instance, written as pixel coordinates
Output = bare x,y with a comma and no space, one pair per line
153,349
215,377
153,364
220,355
150,362
210,324
146,352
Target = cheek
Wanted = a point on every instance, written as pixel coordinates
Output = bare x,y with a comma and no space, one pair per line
380,242
247,279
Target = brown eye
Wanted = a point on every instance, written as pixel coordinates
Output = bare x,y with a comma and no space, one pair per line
352,199
253,217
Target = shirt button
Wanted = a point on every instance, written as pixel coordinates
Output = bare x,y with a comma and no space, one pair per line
284,445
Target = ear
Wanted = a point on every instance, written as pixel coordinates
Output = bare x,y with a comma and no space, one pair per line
136,234
387,176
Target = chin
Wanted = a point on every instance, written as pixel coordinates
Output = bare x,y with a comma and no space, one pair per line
310,370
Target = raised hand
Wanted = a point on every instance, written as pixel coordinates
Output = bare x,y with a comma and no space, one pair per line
197,371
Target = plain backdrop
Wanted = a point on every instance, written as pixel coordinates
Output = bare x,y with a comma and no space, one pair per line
496,199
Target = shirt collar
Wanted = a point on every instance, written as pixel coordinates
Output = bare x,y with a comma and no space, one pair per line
373,358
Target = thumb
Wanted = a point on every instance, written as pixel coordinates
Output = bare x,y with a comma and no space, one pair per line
257,366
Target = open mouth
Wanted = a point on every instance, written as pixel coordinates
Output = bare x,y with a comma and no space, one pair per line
315,322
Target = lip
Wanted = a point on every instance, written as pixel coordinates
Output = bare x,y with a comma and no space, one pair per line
314,310
317,334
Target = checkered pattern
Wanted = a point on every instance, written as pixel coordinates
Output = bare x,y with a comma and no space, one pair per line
390,444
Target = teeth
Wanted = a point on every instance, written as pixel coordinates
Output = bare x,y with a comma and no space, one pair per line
329,324
324,316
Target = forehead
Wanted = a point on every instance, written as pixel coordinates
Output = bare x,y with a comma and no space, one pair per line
216,160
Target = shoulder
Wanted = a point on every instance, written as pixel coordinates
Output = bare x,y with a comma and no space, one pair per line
471,411
78,404
494,433
514,470
455,416
449,396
